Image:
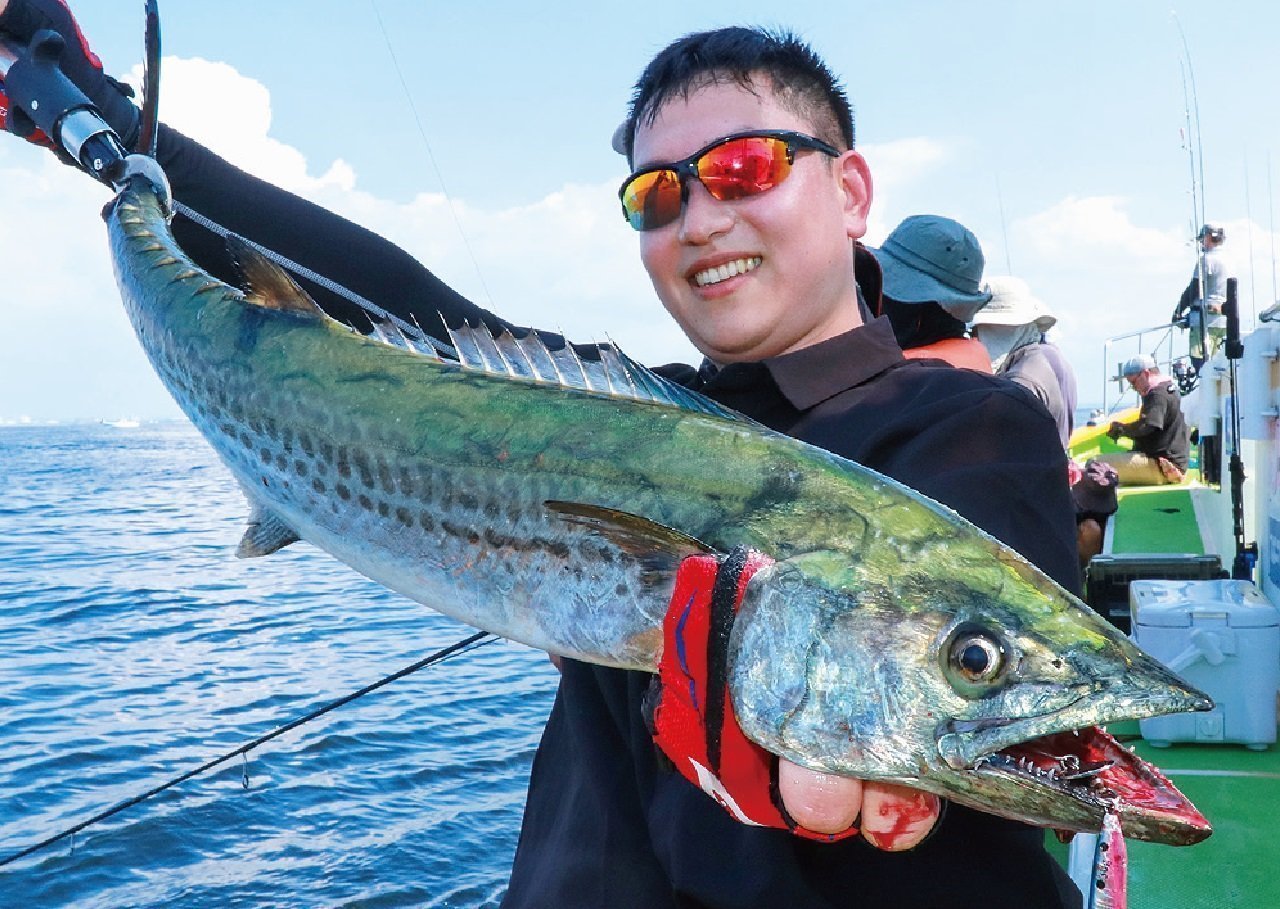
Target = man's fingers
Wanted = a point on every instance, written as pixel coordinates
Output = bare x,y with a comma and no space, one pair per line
818,801
895,817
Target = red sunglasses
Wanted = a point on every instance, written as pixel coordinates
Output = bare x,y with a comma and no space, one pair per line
733,167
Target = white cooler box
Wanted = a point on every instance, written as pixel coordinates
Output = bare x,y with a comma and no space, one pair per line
1224,638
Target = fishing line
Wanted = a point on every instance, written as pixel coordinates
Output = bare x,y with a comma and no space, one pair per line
395,62
1248,214
466,645
1271,212
411,330
1008,262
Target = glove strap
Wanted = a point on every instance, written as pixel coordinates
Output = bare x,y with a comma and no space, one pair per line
694,722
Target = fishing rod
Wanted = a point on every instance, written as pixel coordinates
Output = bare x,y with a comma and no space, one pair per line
42,99
466,645
1195,156
1246,553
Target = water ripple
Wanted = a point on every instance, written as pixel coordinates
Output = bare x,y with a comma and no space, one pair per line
136,647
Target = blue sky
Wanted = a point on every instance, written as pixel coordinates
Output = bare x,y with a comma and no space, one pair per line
1068,117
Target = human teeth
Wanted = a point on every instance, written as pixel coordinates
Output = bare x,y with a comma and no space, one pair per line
726,271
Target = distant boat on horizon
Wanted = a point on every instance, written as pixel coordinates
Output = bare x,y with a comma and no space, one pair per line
124,423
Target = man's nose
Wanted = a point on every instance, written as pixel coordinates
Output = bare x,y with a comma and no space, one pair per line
704,217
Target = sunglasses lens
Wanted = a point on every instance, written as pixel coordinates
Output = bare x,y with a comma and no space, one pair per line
734,169
652,199
744,167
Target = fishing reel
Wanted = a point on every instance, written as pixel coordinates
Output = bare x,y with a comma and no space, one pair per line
43,98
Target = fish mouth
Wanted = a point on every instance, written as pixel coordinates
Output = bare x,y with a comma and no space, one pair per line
1094,770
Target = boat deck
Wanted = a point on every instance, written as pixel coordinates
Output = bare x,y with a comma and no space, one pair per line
1236,788
1239,866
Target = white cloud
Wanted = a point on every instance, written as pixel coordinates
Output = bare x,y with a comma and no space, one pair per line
231,115
896,164
1100,227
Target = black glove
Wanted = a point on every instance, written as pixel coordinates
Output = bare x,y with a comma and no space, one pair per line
23,18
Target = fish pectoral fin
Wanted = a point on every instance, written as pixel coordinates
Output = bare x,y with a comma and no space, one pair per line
265,534
654,543
267,284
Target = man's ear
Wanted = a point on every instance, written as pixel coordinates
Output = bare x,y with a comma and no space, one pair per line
855,182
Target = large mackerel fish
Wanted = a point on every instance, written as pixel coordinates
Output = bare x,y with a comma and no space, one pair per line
548,498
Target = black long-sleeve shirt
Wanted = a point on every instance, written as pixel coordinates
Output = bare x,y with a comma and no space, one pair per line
606,825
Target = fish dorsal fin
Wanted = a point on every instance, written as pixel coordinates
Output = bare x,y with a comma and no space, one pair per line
267,284
659,547
602,368
265,534
396,332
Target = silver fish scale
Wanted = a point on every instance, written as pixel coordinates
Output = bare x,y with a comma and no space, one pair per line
483,549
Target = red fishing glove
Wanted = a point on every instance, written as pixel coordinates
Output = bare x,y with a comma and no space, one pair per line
22,19
693,720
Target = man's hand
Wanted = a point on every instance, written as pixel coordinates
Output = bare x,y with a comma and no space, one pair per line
695,727
890,817
1114,431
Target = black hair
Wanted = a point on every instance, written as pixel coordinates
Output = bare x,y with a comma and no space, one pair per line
743,55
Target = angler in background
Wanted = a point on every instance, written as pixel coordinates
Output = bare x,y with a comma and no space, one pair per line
1161,443
1199,309
1012,329
932,269
757,272
1093,490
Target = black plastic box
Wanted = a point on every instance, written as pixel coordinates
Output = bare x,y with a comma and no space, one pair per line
1107,578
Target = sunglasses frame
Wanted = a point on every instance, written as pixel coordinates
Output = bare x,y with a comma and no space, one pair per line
687,168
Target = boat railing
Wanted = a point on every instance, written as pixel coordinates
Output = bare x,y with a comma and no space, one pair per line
1158,342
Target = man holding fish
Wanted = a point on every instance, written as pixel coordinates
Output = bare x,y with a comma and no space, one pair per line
748,198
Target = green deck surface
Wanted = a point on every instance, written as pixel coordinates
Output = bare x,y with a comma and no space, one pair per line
1156,519
1238,790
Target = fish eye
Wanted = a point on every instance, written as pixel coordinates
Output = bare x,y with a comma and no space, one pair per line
974,658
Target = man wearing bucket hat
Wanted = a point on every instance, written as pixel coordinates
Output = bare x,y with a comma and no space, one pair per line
1011,328
932,270
1160,442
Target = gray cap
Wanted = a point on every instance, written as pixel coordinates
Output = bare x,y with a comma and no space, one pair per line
1012,303
619,140
928,258
1135,365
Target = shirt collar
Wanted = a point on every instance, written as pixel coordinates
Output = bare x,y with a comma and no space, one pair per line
811,375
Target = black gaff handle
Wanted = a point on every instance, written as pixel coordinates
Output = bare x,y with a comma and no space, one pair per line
41,96
1231,309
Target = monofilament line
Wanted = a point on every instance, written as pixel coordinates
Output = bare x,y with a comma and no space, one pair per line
470,643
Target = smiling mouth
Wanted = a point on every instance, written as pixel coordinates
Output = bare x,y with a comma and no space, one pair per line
709,276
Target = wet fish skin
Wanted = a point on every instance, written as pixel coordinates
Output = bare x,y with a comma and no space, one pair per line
434,480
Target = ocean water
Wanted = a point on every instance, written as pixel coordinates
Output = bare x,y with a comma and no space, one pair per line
134,646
